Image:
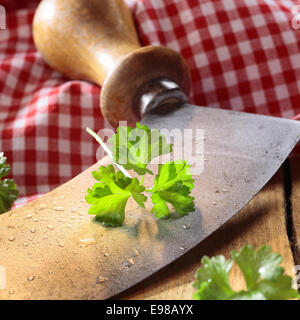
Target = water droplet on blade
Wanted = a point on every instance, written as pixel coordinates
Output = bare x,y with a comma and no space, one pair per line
88,242
42,207
59,208
30,278
101,279
128,263
135,252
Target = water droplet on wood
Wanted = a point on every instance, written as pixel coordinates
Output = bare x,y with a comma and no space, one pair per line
11,238
32,230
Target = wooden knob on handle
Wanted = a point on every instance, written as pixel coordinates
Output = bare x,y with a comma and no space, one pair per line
96,40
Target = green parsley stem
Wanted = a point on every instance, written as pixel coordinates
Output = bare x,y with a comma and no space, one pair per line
142,180
107,150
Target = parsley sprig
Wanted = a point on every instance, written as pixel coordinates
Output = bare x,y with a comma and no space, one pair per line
264,278
8,189
133,149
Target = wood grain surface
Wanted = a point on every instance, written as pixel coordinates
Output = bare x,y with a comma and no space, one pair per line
261,222
295,206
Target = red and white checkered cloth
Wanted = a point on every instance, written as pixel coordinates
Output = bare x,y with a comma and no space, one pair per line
243,55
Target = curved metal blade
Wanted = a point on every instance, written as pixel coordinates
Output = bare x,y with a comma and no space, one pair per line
52,249
242,152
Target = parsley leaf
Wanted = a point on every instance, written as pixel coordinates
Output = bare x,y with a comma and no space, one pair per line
260,264
264,264
8,189
173,184
109,197
212,279
278,289
263,276
134,148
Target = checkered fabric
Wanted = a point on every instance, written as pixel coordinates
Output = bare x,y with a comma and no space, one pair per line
244,55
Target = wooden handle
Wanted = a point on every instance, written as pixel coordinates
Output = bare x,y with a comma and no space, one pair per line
96,40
